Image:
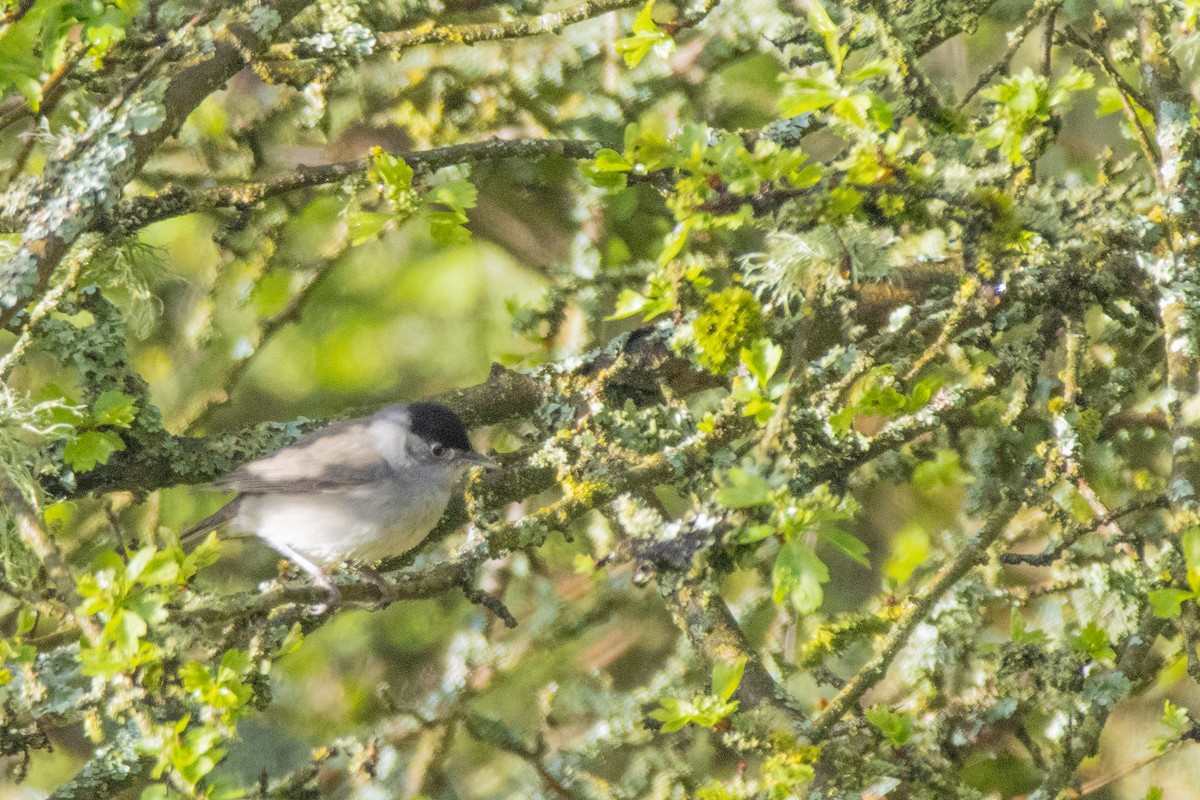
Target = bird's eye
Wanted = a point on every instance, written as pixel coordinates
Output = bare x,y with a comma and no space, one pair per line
440,450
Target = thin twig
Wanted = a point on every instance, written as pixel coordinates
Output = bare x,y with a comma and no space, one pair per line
52,92
1126,92
918,609
1103,519
1016,38
161,54
47,304
266,332
1096,785
43,546
1048,43
131,215
17,12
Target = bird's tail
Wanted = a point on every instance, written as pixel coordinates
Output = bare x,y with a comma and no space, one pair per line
194,535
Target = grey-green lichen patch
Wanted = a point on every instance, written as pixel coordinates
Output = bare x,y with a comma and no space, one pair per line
85,178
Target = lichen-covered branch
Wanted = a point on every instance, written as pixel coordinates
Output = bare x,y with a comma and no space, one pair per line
847,444
550,22
918,608
168,460
704,617
80,185
138,212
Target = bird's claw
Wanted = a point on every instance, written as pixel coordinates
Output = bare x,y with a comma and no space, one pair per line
387,592
333,598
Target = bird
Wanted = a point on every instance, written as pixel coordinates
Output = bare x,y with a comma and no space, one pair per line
355,491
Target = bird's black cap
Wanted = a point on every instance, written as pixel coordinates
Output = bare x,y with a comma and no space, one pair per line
433,422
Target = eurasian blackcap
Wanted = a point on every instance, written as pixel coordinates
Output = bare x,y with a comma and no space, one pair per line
355,491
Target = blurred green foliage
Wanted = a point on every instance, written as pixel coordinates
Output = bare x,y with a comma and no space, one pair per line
841,357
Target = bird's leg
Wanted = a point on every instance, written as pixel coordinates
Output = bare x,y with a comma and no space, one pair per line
387,594
318,575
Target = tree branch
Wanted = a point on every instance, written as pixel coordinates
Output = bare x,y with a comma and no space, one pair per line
489,32
918,609
138,212
170,460
716,636
111,152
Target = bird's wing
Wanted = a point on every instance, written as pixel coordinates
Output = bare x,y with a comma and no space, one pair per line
337,456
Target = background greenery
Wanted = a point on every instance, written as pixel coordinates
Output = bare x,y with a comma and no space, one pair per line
842,360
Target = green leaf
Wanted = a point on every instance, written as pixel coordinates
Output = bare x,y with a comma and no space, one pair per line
897,728
1018,633
819,20
125,628
743,489
706,711
393,172
1174,717
161,570
674,241
236,662
1190,544
797,577
1092,642
872,69
762,359
852,108
19,65
754,533
609,160
646,36
940,472
1076,80
659,299
114,408
366,225
396,176
808,93
1167,602
194,676
459,194
138,562
672,714
446,227
880,112
1108,101
91,448
847,543
608,170
26,619
292,641
629,303
922,393
726,676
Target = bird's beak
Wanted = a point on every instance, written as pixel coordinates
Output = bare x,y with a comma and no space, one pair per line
477,460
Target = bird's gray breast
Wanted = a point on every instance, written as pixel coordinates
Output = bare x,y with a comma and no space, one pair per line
366,522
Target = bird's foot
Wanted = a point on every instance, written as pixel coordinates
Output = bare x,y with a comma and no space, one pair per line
333,597
387,592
